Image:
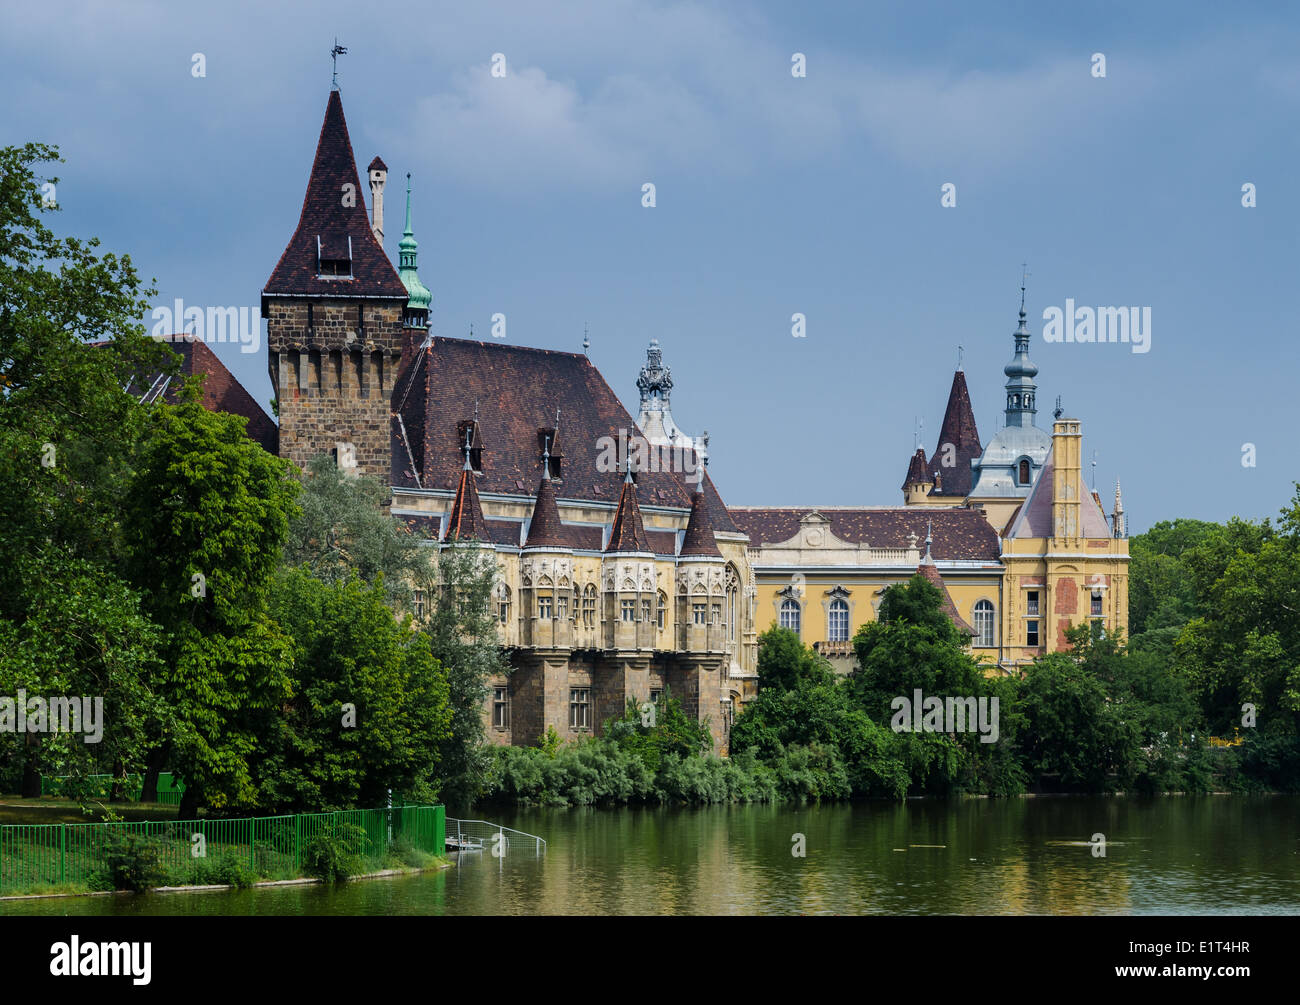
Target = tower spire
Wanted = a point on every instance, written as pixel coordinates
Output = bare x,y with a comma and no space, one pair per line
419,298
1021,389
335,53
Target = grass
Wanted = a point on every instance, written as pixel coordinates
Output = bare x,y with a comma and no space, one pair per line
58,810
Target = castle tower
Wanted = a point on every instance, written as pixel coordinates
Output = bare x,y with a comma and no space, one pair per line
1021,389
1067,487
629,584
466,523
655,419
959,444
334,309
919,482
546,572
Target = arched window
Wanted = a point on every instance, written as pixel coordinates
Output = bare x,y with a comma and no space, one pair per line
984,623
1024,471
733,601
837,622
790,615
503,603
589,606
663,607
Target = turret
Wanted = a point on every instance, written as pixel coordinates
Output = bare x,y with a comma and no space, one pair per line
630,585
546,572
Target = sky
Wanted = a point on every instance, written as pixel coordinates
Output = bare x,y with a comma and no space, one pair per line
775,195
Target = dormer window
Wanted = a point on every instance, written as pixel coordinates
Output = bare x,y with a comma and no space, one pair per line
1023,472
475,443
548,441
334,256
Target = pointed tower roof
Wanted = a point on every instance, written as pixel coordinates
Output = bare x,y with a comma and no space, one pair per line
466,521
699,540
628,534
916,470
334,226
546,531
930,571
959,430
418,294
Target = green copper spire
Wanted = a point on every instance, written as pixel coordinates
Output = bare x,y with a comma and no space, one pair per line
417,307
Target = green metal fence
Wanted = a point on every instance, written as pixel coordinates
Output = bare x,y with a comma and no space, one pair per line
37,857
170,789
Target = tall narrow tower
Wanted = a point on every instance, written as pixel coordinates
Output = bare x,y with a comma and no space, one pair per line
334,307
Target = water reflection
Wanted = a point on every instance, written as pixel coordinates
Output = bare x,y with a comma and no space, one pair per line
1030,856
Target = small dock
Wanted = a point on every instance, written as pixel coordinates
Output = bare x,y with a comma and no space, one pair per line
483,835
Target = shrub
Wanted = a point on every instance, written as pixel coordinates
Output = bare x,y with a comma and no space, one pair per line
130,862
331,855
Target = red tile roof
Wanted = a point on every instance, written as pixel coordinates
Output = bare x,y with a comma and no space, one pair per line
958,429
628,532
466,520
917,470
326,219
959,533
221,391
546,531
931,573
699,539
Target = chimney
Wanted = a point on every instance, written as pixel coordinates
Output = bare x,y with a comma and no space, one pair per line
378,172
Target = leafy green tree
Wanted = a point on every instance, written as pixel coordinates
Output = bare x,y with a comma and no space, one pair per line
343,530
205,519
462,632
68,431
661,730
369,707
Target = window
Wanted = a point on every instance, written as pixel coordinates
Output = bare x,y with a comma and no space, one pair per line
837,622
580,708
544,607
562,607
629,610
655,695
589,607
663,607
1024,472
700,614
1096,602
790,615
717,614
503,603
647,610
500,708
1031,602
1031,633
417,601
984,623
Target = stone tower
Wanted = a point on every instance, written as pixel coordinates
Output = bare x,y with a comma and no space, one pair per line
334,310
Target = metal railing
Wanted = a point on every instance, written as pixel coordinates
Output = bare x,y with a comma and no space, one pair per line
481,835
37,857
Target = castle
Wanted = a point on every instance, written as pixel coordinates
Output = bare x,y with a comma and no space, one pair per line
618,579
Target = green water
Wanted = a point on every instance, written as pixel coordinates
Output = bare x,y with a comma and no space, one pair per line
1203,855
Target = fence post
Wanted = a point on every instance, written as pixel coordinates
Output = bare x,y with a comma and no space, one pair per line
63,854
252,844
297,844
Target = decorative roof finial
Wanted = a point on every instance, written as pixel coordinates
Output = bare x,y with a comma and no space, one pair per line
469,432
335,53
927,541
546,458
1094,471
586,342
960,350
1024,272
1057,412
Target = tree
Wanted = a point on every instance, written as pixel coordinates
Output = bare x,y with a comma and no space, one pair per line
205,518
462,632
343,530
369,709
68,432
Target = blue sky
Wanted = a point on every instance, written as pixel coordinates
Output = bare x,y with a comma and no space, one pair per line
775,195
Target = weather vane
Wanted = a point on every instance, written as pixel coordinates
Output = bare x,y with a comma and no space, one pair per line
335,53
1024,273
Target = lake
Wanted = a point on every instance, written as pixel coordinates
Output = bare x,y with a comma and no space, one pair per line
1172,855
